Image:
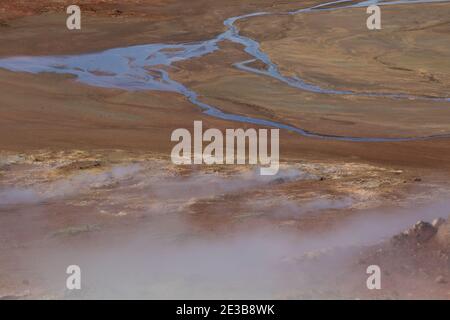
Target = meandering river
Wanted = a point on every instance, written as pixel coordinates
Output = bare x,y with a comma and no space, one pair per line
144,67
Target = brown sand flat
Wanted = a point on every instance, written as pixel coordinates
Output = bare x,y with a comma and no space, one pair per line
39,28
54,112
231,90
409,55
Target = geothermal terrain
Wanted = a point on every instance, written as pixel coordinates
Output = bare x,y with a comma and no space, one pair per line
86,176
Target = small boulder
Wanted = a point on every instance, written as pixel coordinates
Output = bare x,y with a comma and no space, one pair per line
423,231
420,233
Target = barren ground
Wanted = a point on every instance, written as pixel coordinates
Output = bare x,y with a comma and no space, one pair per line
85,172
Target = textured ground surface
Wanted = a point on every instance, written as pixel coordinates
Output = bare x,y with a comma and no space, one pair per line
85,173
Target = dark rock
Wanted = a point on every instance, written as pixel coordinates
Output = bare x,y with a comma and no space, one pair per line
116,12
420,233
423,231
278,181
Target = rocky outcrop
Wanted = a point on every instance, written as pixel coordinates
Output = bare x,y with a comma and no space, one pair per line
420,233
